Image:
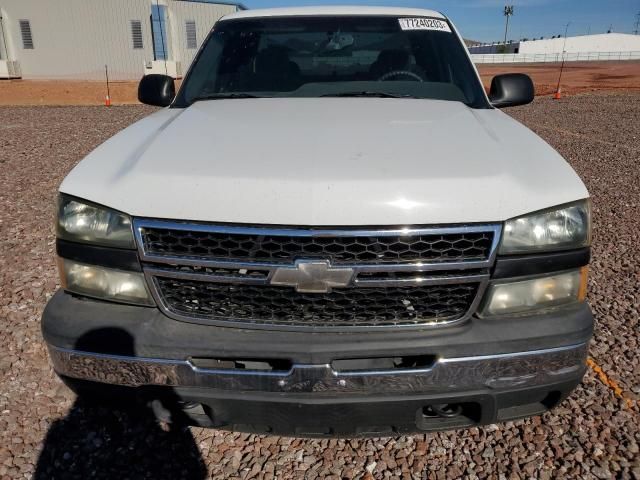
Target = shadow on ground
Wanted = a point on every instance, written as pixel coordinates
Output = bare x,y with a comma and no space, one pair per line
97,441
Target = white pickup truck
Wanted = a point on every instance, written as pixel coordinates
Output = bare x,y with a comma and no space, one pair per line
330,230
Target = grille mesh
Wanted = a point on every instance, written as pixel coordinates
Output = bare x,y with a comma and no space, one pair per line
272,248
350,307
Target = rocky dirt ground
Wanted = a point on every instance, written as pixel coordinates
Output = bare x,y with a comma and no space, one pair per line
46,433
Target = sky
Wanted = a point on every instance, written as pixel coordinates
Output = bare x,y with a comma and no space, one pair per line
482,20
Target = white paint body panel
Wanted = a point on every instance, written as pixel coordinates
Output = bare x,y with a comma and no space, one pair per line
326,161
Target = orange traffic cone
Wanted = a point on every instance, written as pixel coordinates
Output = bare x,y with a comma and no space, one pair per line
107,101
557,95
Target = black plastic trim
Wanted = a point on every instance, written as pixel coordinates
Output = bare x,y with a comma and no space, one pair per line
375,415
154,335
312,415
521,265
95,255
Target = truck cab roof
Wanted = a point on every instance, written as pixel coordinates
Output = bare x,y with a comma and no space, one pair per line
333,10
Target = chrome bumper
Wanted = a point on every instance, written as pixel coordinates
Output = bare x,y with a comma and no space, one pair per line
499,372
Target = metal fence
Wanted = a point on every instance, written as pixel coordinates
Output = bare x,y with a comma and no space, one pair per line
552,57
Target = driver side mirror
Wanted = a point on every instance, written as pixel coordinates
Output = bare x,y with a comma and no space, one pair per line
157,90
511,89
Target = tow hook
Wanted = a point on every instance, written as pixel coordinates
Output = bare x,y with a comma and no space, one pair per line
443,410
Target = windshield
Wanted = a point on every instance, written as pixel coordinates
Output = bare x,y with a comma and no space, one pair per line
333,56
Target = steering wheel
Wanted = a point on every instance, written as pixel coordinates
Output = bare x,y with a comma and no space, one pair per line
401,73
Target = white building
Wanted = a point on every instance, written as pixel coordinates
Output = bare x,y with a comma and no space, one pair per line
75,39
600,43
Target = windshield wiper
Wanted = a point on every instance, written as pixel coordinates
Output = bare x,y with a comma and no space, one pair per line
224,96
366,93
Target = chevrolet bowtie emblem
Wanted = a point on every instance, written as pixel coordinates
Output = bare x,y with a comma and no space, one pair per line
312,276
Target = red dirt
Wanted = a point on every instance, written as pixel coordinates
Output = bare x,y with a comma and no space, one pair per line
58,92
577,77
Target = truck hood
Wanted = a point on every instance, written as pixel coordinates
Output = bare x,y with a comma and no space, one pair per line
326,161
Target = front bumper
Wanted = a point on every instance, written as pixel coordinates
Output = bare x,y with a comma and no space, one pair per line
316,401
487,370
496,372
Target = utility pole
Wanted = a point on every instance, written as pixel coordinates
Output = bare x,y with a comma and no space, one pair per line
636,30
508,11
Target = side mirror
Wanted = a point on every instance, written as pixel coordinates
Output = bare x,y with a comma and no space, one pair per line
157,90
511,89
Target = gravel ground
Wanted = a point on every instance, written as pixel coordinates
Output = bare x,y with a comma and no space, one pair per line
46,432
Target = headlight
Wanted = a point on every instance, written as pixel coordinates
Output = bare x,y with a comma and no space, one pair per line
79,221
536,293
556,229
104,283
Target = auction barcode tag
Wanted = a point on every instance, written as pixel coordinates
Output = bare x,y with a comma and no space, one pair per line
424,24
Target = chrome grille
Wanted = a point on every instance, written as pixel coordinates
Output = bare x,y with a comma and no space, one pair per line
264,247
232,275
348,307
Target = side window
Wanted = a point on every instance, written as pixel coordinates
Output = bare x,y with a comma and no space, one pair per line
192,41
136,34
25,32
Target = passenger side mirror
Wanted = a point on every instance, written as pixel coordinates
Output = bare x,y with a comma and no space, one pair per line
157,90
511,89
